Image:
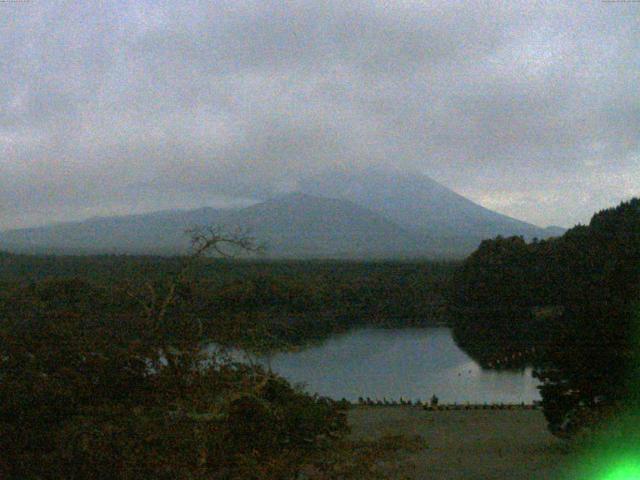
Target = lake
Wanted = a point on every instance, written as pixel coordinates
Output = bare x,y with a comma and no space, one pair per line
411,363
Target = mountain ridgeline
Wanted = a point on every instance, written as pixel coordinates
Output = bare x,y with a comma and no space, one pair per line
372,214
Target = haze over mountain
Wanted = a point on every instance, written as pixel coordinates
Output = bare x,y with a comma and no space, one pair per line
420,204
355,214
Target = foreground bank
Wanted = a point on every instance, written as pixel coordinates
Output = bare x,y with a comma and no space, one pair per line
465,444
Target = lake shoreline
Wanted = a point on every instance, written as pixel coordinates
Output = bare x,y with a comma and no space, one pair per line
442,407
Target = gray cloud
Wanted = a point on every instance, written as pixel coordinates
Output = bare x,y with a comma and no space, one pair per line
531,109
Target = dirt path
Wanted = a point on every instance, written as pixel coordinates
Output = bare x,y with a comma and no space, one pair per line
470,445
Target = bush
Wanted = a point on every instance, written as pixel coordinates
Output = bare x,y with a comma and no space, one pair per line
82,403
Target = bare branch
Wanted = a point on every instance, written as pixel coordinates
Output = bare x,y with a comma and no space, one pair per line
214,238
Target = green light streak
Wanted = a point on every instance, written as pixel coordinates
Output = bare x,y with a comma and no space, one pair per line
612,450
624,470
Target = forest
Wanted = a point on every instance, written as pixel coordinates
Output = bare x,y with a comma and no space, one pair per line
570,306
290,302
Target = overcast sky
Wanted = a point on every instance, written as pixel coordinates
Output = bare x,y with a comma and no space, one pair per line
528,108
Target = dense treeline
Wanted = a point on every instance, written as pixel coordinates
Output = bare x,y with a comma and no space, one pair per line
285,302
567,305
498,300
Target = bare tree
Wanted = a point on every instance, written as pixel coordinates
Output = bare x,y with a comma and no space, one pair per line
156,300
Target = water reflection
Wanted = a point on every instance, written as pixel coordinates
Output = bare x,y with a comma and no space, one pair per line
408,363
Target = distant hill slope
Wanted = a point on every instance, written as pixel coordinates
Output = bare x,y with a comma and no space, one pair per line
154,233
293,225
422,205
303,225
372,214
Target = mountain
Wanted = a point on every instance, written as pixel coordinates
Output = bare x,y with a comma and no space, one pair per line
154,233
423,206
303,225
365,214
554,231
293,225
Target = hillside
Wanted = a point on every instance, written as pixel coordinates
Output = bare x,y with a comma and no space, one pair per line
366,214
422,205
154,233
293,225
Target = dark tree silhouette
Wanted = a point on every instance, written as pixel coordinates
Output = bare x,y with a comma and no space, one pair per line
92,393
566,305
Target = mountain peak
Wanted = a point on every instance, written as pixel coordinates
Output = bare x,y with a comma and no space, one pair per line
417,202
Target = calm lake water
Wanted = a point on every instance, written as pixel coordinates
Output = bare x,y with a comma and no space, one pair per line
410,363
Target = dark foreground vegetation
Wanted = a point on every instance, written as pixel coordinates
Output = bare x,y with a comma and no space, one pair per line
568,305
103,376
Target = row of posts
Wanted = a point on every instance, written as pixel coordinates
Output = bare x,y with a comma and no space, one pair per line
435,405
